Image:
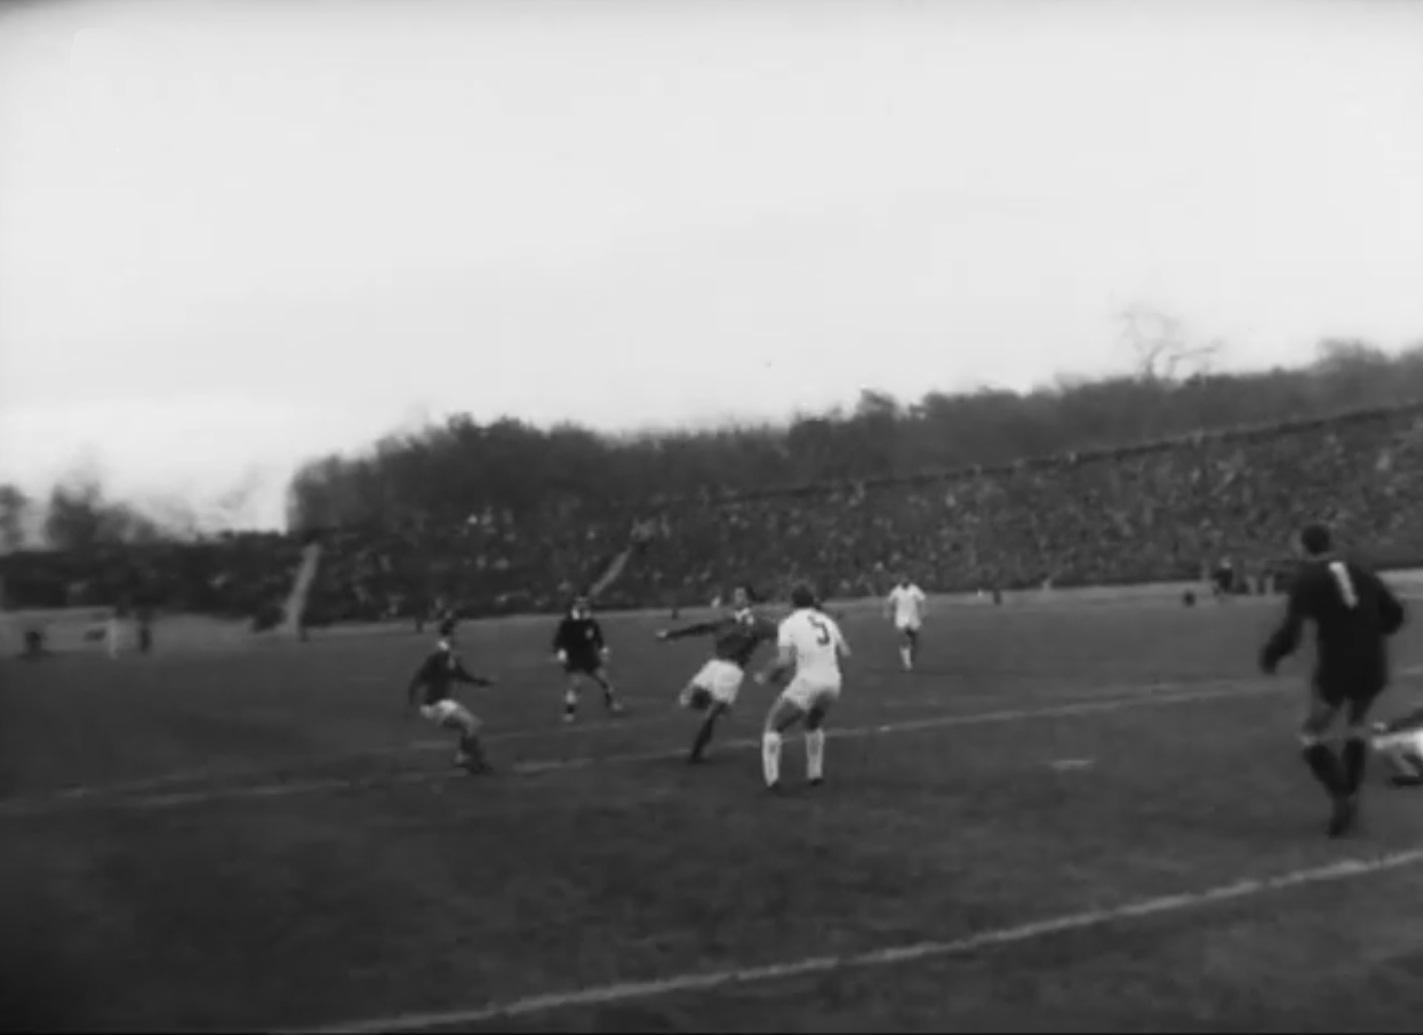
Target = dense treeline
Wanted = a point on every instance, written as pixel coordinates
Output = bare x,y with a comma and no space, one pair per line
449,472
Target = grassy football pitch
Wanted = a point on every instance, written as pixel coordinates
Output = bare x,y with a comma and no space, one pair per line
1071,818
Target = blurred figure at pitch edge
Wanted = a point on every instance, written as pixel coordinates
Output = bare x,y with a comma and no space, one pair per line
145,630
113,630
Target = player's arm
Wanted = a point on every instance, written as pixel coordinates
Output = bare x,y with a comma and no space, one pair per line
463,675
1392,613
889,603
598,641
1286,638
699,629
842,645
785,656
783,663
417,682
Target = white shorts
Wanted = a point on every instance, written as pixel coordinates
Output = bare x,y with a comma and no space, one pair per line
809,692
907,625
442,711
1401,749
721,679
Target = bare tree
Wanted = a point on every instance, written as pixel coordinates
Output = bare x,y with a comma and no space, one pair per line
14,517
1162,349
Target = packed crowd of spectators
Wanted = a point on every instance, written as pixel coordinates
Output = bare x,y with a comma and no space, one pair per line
1157,511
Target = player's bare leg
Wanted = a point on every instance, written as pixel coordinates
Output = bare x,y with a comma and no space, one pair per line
815,743
471,752
699,699
1325,766
1356,745
909,648
570,697
610,697
782,716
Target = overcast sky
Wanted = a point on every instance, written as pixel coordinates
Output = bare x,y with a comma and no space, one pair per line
235,235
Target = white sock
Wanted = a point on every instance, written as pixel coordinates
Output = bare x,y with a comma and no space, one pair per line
771,757
814,754
905,656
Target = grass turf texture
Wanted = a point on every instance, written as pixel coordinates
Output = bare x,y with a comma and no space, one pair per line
257,837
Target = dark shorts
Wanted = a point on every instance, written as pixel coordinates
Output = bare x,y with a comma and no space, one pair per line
583,666
1357,697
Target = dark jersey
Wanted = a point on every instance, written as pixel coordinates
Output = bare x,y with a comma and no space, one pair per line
1354,613
734,637
438,674
581,640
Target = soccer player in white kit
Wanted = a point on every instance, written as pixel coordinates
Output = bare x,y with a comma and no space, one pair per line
1400,743
811,643
906,605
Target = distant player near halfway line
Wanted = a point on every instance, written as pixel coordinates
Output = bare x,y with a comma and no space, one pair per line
430,692
810,642
714,689
907,605
1354,613
1400,742
579,646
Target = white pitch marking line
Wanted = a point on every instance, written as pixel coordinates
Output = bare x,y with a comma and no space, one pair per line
32,804
544,766
603,995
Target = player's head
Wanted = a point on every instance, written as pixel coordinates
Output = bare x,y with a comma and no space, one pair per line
447,633
802,596
740,597
1315,540
582,606
904,579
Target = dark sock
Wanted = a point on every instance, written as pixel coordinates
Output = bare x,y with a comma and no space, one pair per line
704,735
471,746
609,698
1325,767
1356,754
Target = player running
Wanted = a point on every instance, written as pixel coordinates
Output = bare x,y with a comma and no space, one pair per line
1400,742
714,689
579,646
906,605
435,677
811,643
1354,613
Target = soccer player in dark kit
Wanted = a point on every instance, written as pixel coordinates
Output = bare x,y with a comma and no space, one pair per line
579,646
431,693
1354,613
714,689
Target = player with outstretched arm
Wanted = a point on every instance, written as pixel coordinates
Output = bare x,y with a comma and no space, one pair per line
714,689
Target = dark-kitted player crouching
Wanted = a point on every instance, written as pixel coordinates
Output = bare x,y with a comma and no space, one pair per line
1354,613
579,646
431,693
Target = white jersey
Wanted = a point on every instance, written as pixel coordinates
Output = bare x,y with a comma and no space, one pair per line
907,603
817,643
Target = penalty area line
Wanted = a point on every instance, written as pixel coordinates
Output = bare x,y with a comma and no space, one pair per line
603,995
